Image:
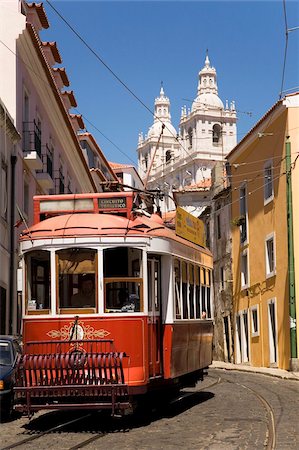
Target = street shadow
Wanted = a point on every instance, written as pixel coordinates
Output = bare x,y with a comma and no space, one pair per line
103,422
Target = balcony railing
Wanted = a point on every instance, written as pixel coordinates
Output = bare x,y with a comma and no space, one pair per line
59,183
32,138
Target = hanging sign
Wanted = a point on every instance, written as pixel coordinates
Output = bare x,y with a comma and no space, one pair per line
189,227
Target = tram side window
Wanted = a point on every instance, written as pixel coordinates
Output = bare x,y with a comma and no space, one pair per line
77,278
197,292
177,290
208,303
203,292
191,291
123,280
38,280
185,290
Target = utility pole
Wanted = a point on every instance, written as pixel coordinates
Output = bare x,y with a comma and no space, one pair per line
291,265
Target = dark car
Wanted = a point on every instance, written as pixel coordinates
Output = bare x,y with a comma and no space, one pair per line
10,350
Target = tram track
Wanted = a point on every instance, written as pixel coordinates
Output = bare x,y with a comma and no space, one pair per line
38,435
270,443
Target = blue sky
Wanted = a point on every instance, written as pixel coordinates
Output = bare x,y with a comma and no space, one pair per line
145,43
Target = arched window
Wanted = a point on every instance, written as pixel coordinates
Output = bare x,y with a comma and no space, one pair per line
216,133
146,160
190,134
168,156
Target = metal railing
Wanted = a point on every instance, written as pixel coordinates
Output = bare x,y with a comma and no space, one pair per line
32,138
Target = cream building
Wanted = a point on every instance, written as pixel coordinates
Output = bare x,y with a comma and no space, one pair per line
35,95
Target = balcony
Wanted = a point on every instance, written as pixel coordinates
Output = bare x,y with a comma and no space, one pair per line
45,176
32,147
59,183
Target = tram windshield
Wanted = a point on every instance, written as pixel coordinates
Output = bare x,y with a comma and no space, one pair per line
77,278
123,280
38,280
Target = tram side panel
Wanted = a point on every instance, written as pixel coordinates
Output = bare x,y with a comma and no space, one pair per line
187,347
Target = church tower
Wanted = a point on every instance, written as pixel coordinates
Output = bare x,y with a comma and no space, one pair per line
208,131
180,164
158,150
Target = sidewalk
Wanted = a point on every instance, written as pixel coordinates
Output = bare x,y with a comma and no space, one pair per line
280,373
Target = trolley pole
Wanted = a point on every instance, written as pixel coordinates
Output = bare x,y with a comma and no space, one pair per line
291,265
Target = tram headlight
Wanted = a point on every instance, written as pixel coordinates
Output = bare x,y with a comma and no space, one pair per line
1,385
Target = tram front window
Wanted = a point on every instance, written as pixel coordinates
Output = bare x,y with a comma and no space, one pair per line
77,278
123,280
38,281
122,296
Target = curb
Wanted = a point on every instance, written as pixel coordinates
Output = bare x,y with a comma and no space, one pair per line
277,373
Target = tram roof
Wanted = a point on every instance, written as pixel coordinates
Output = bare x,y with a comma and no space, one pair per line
91,225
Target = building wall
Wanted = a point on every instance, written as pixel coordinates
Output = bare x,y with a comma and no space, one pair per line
248,165
28,68
8,148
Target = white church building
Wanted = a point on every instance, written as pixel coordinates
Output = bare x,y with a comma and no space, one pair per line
180,162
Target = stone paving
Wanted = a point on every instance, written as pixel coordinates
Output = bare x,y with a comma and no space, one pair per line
223,416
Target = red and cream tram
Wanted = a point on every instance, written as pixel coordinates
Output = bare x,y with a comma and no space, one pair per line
115,305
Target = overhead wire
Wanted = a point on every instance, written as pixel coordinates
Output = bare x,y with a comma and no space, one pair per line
99,58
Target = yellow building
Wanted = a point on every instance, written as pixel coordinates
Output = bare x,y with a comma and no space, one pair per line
265,239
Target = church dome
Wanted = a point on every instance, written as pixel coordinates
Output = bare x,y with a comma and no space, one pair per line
207,101
156,128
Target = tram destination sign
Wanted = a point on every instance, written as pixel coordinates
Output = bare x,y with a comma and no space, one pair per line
189,227
113,203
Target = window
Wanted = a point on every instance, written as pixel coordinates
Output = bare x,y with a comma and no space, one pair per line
191,291
184,290
208,237
270,255
26,198
254,321
38,281
4,196
190,136
146,161
268,182
168,156
218,226
177,289
123,282
77,280
216,133
221,278
243,215
244,269
26,132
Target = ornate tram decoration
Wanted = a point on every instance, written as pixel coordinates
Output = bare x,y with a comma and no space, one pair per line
82,331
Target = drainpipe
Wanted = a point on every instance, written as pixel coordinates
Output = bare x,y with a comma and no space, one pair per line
12,289
292,293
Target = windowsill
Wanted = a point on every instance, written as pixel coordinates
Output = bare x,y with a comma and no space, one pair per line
37,312
245,287
270,275
76,310
268,200
256,334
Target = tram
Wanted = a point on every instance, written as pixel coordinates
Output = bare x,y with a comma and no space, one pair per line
115,305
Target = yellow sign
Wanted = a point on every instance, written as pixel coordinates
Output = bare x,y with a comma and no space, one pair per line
189,227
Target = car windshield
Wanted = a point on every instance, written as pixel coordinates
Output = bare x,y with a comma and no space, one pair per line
5,353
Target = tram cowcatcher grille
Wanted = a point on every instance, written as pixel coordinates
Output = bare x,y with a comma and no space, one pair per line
84,374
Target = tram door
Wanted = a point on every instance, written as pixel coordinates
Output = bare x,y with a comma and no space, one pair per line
154,319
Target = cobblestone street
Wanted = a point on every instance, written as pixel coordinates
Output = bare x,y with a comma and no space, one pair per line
230,410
